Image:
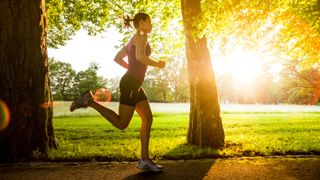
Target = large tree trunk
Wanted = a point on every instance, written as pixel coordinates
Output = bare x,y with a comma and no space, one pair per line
24,82
205,126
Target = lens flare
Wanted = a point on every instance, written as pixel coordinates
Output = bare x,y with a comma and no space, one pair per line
4,115
103,94
50,104
46,105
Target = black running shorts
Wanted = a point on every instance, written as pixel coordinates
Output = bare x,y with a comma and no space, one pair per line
131,91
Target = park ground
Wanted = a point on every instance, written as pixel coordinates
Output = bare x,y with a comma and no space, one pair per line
276,167
262,142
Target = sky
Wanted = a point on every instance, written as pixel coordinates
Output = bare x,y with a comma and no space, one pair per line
83,49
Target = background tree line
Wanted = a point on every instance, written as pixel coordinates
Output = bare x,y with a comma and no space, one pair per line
168,85
171,85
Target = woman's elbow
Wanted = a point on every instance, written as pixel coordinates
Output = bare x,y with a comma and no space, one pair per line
116,59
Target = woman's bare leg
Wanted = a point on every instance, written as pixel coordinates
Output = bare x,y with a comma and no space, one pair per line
144,111
120,121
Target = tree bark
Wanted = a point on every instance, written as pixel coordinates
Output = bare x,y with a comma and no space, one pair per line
205,124
24,79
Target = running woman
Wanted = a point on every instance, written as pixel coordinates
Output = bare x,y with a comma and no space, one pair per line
132,96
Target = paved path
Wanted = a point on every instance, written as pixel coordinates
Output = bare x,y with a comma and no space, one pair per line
235,168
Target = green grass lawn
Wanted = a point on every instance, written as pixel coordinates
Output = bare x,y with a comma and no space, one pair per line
246,134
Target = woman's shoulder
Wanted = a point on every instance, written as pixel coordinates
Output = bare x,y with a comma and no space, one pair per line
139,39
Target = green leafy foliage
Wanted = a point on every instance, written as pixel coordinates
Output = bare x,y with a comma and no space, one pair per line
66,17
89,80
67,84
169,84
62,78
113,86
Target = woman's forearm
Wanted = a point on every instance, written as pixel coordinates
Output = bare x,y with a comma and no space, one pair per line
147,61
121,62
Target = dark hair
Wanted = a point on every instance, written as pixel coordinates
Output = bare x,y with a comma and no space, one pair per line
137,18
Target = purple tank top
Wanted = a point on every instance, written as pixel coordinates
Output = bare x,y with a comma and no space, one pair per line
136,69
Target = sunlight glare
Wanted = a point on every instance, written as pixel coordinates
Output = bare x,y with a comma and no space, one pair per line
244,66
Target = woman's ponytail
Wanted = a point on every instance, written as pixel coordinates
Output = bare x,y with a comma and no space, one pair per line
127,21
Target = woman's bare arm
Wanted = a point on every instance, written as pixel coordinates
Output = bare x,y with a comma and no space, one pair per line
141,44
119,58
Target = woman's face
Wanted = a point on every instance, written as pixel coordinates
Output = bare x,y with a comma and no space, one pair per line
146,25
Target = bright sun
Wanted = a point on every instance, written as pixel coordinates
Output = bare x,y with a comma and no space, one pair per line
244,66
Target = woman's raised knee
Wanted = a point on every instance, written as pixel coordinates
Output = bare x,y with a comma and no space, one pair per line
124,123
123,126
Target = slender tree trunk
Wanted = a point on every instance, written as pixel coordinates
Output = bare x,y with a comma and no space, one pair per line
164,96
24,79
205,126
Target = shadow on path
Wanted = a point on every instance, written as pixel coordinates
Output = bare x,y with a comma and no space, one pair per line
191,169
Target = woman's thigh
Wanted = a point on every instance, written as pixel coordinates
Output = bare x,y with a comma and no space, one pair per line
125,113
144,110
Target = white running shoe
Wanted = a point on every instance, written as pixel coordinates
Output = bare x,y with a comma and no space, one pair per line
82,102
148,165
